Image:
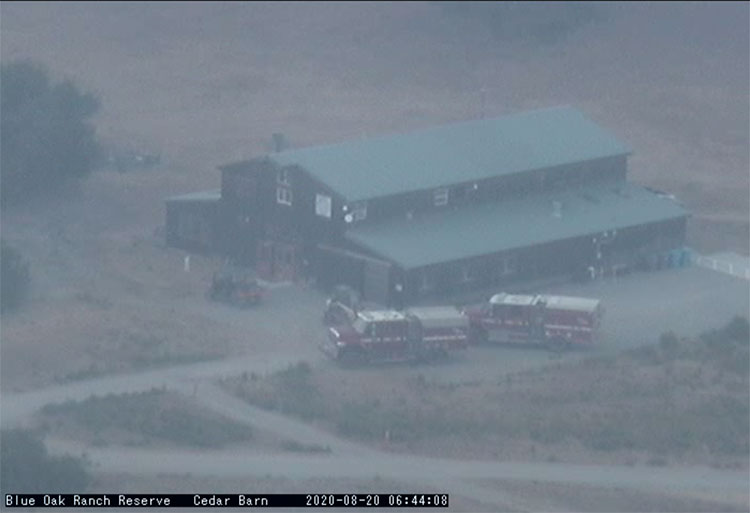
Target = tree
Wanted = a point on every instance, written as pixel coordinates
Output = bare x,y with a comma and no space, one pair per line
47,141
14,278
27,467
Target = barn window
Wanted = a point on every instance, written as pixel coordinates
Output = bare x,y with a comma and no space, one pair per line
283,195
440,197
323,205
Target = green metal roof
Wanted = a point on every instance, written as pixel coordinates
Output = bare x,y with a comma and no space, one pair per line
455,153
212,195
448,235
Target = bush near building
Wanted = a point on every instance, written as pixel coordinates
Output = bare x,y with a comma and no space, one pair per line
27,467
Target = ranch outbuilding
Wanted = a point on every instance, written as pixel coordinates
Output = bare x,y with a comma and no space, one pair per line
503,201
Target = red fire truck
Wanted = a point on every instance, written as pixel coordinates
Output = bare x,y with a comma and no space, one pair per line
557,322
392,336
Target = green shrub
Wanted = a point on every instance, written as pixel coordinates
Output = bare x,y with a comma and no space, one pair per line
48,141
728,426
26,467
738,330
295,392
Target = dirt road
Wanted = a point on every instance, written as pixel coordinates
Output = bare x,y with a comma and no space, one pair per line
686,301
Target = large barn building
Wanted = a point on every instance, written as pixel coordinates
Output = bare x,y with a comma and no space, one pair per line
492,201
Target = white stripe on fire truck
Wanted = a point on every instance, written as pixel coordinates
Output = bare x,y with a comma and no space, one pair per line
455,337
567,327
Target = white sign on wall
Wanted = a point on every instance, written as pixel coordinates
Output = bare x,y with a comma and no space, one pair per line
323,205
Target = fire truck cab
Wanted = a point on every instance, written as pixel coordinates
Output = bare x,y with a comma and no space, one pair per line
390,335
554,321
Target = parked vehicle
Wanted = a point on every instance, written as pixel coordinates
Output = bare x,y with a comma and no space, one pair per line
557,322
416,334
236,288
342,306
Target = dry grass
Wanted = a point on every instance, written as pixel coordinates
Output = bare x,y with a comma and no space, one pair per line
681,401
149,418
208,83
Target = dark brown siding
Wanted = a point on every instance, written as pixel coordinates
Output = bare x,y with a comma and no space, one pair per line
242,209
640,247
192,225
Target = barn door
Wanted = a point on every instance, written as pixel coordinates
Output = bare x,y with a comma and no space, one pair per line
264,260
284,262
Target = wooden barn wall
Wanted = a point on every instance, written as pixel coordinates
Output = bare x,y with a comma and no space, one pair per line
241,211
566,258
192,226
301,218
251,212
